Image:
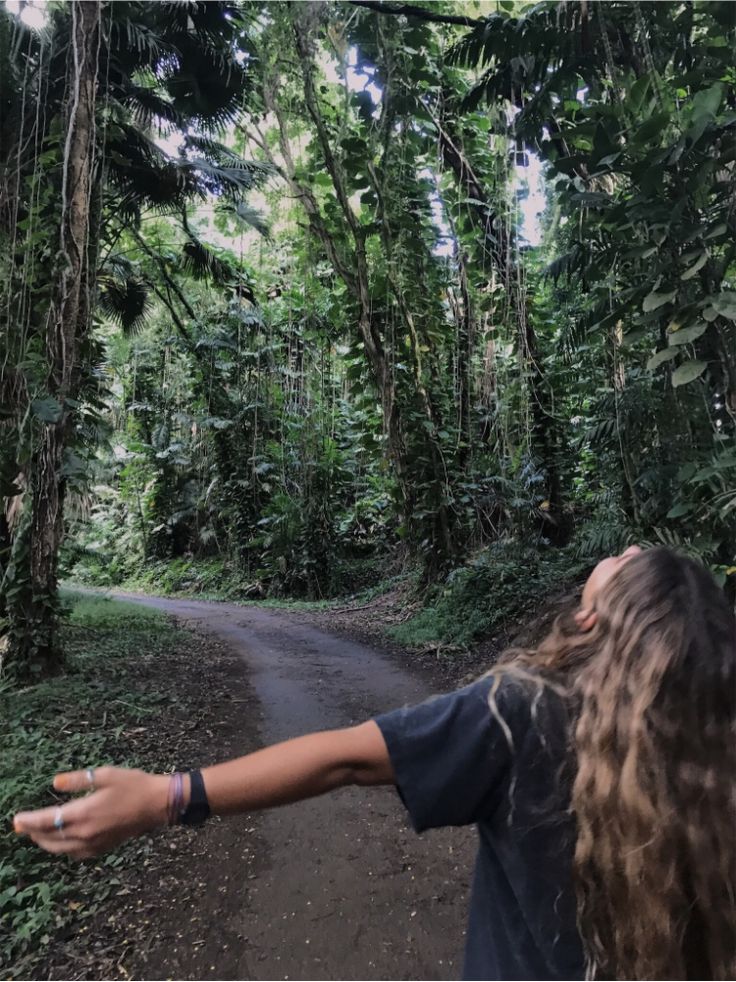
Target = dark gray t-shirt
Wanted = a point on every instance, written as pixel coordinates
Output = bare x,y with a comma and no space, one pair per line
457,763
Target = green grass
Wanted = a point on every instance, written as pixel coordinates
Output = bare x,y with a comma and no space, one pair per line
75,720
101,613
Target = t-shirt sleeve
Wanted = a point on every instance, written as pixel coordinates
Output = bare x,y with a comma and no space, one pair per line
451,754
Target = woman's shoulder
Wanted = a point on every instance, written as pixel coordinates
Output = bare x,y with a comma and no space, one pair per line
526,700
518,682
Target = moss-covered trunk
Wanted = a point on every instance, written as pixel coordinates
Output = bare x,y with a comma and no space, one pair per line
34,648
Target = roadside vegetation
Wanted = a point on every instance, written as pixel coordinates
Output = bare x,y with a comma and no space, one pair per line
112,696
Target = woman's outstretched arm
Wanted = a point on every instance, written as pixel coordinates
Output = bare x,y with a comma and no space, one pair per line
127,803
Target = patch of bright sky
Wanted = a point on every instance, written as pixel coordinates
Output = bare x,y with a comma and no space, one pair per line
358,81
170,143
32,12
532,206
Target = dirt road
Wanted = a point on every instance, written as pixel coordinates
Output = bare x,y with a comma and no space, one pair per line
336,888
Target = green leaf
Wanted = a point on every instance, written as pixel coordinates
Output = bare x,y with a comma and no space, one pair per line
687,334
698,264
354,146
74,465
725,304
567,165
651,128
688,372
641,252
655,300
48,410
708,101
677,511
365,105
216,424
637,92
719,229
666,354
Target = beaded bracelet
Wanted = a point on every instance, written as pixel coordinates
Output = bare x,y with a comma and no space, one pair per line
175,801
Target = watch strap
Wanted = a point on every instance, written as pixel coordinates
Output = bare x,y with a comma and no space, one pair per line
198,809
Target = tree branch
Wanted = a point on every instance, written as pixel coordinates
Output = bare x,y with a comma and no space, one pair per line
165,276
421,13
301,190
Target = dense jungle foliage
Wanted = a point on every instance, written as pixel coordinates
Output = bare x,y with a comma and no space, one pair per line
275,316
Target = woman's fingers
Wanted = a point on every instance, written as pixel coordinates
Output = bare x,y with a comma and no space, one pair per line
46,819
38,821
125,803
68,782
78,836
88,780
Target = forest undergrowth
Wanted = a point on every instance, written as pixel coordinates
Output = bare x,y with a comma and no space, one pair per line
122,699
481,598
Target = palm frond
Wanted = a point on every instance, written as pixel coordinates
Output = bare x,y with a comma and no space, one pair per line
144,176
124,295
481,43
204,87
118,265
250,216
572,337
220,155
568,263
148,107
212,20
128,36
536,32
203,263
229,182
523,56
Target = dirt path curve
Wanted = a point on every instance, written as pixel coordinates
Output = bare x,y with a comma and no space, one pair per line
339,887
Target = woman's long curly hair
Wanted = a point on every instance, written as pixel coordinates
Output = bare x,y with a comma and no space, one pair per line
652,691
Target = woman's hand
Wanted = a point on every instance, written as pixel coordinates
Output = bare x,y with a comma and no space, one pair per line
124,804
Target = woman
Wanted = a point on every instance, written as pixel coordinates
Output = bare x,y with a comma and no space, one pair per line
599,769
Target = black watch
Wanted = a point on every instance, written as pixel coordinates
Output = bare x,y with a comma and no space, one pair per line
198,809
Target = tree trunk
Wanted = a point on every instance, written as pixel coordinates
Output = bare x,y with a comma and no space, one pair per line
465,319
34,648
545,436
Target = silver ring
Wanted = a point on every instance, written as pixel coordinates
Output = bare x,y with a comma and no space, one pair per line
91,778
59,822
